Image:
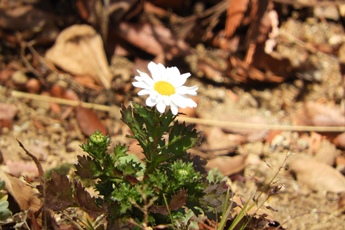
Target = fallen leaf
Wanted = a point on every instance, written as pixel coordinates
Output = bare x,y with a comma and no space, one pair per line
339,140
243,72
326,153
87,81
322,115
89,121
79,50
18,168
228,165
340,164
24,195
234,15
250,135
221,143
156,40
316,175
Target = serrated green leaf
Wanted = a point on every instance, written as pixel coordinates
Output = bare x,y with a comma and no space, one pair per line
120,151
125,194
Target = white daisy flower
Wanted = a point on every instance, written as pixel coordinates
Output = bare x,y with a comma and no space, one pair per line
165,88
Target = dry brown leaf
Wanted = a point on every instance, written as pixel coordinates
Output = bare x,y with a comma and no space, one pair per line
339,140
316,175
154,39
234,15
228,165
260,24
276,68
23,194
322,115
250,135
221,143
326,153
86,81
18,168
79,50
89,121
340,164
244,72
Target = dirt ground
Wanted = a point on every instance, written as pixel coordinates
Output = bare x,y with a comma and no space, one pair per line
253,156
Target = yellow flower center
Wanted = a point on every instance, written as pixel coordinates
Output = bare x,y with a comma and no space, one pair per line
164,88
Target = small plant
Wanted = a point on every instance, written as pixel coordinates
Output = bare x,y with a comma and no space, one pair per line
164,188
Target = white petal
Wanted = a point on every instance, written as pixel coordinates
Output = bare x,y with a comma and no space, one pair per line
146,78
161,107
178,100
166,100
141,84
154,94
155,71
163,71
180,80
151,102
138,78
187,90
190,103
172,73
174,108
182,101
144,92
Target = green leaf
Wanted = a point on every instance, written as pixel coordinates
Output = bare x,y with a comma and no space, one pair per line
181,138
158,180
130,165
4,211
119,151
2,185
125,194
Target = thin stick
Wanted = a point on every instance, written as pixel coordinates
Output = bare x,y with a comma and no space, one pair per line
208,122
252,126
61,101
